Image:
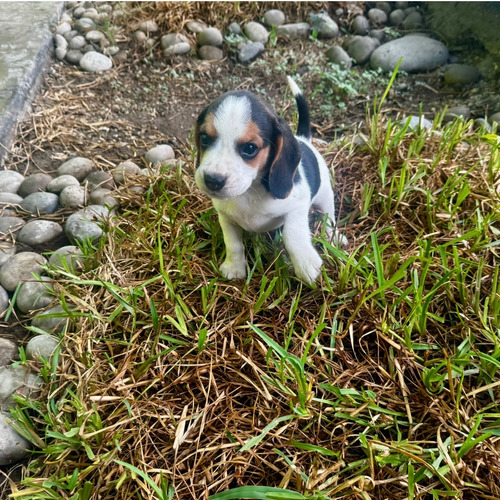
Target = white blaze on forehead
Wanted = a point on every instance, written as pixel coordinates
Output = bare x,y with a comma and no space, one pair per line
232,117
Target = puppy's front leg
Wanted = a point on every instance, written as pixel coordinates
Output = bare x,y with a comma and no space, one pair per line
297,238
234,266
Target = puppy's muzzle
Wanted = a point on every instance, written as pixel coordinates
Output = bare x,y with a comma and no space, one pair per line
214,182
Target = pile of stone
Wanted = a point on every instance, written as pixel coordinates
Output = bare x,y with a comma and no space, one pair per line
33,218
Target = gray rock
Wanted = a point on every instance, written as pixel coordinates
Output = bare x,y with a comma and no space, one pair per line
41,346
73,197
103,197
77,167
250,51
78,12
70,34
69,257
34,294
85,24
293,31
128,168
177,49
195,26
235,29
377,16
86,223
256,32
481,123
339,56
112,51
10,180
210,53
324,24
39,232
397,17
77,43
495,118
19,268
385,6
419,53
40,203
63,28
16,380
74,56
274,17
457,112
401,5
59,183
360,25
91,13
60,53
60,42
99,179
8,348
33,184
95,61
10,226
13,447
9,200
52,320
7,250
413,21
172,39
416,123
461,74
159,154
4,305
378,34
361,48
148,26
210,36
95,36
140,37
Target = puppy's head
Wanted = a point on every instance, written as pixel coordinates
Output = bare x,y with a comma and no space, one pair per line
240,141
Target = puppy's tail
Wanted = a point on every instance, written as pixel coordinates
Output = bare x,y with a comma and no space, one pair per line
304,125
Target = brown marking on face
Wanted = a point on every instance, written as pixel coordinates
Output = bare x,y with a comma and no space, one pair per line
260,161
208,126
252,134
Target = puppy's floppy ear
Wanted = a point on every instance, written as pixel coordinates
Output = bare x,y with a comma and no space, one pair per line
197,126
285,161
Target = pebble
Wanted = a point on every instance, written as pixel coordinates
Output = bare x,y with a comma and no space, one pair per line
40,203
177,49
78,12
453,112
148,26
8,348
52,320
59,183
60,41
159,154
95,61
419,53
210,36
19,268
41,346
10,181
64,27
34,295
9,200
127,168
34,183
95,36
234,28
256,32
361,48
495,118
385,6
413,21
417,123
210,53
103,197
68,257
274,17
13,447
70,34
61,53
73,197
83,225
16,380
172,39
77,42
377,16
339,56
396,17
85,24
324,24
4,305
99,179
250,51
293,31
10,226
74,56
195,26
461,74
39,232
78,167
360,25
7,250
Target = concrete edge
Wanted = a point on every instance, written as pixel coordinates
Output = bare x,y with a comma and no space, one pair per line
27,89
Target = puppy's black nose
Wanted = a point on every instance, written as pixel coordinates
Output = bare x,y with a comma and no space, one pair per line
214,182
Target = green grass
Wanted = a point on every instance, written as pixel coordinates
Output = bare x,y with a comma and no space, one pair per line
381,381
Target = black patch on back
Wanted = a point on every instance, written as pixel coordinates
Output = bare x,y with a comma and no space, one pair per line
311,168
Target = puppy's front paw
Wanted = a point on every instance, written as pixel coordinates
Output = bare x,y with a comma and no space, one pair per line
335,237
307,267
233,270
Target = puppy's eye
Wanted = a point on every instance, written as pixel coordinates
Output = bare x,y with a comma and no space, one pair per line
205,140
248,150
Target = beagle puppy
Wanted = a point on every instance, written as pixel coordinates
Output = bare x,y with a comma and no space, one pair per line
260,177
